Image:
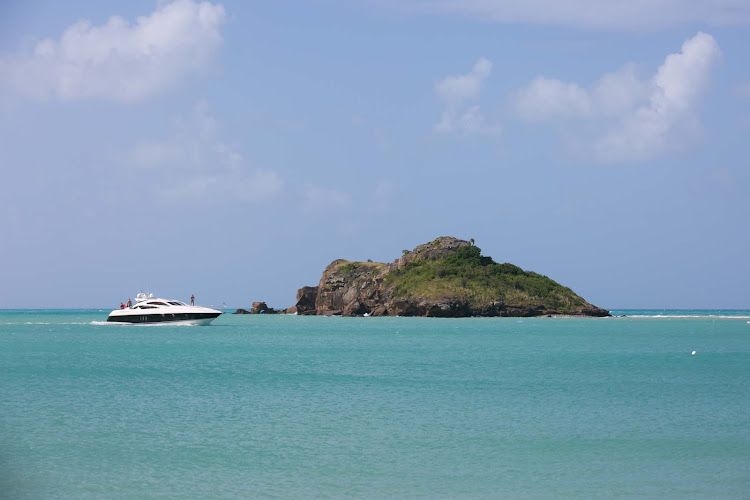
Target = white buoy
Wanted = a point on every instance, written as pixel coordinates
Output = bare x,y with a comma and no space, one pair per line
694,352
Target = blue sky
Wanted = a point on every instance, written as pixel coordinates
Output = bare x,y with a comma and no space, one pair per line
233,149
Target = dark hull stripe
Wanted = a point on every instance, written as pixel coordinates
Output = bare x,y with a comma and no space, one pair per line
161,318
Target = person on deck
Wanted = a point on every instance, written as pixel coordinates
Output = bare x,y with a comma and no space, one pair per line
130,304
192,299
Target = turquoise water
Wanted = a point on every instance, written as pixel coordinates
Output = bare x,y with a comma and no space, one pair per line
300,407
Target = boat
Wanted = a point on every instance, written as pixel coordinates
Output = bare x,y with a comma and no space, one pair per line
150,310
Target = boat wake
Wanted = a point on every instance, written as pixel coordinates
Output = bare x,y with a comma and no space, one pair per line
37,323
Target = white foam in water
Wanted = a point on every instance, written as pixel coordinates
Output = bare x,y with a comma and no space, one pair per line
48,323
686,316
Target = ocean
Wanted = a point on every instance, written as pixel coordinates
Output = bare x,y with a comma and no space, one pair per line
315,407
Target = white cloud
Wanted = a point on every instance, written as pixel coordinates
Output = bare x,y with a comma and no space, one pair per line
668,121
644,117
458,88
446,123
118,60
547,99
194,145
620,91
257,186
591,14
455,91
195,165
472,121
319,198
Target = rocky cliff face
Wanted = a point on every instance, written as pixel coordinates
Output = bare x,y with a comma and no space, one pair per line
352,289
375,289
305,305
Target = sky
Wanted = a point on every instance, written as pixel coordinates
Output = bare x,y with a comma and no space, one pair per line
233,149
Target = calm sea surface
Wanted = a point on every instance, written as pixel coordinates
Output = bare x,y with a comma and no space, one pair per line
301,407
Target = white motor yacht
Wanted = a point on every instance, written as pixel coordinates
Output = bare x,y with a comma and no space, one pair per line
148,310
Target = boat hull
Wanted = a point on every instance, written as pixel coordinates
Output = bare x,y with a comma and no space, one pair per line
197,318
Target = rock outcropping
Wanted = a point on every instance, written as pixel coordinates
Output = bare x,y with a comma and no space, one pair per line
447,277
258,308
305,305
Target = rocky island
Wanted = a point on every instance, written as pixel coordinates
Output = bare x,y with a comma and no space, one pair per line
447,277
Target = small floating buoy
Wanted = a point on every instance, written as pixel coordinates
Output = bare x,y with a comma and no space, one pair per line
694,352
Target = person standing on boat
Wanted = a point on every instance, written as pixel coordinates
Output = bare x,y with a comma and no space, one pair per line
192,299
130,304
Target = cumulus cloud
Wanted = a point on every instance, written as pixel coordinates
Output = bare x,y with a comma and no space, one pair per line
645,117
454,91
547,99
591,14
118,60
669,120
195,165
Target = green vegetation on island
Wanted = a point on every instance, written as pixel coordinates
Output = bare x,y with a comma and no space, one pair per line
477,280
